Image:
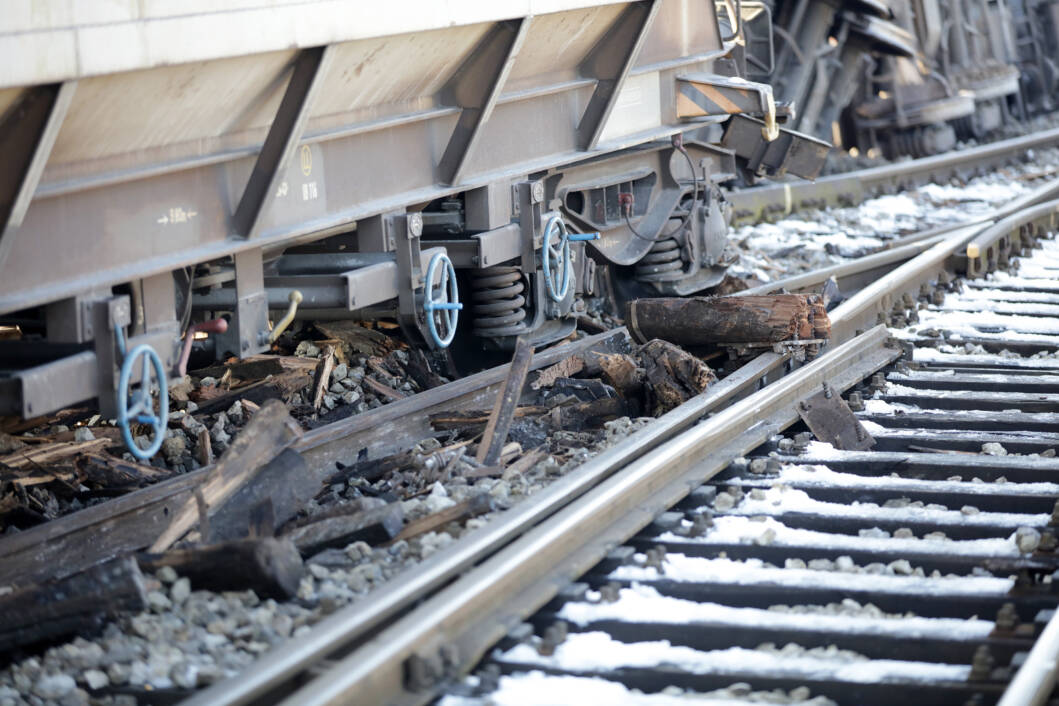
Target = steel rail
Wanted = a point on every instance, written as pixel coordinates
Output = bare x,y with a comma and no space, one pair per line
862,309
846,270
902,249
1035,679
456,626
351,625
787,197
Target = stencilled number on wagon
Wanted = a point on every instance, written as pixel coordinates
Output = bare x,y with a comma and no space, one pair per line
310,191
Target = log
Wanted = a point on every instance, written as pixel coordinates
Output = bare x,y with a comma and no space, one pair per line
269,432
267,566
700,321
371,520
673,375
77,604
621,372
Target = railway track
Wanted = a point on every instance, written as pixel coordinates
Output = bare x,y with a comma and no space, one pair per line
413,657
207,228
783,198
919,570
355,633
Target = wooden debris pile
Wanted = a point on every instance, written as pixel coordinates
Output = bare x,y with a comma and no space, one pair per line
43,477
575,398
254,517
52,466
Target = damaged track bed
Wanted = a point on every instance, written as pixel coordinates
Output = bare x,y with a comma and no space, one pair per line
921,569
330,495
792,543
462,407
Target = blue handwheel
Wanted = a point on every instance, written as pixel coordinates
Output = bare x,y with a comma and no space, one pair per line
555,259
442,304
138,407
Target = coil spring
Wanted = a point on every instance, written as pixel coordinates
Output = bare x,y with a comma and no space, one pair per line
498,299
904,143
919,142
662,258
965,129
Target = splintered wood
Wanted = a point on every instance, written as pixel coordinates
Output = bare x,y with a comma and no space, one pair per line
673,376
70,605
269,432
701,321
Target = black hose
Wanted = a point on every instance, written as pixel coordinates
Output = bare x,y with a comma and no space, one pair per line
684,220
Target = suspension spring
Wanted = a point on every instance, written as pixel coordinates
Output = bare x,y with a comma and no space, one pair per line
665,260
662,258
498,300
964,128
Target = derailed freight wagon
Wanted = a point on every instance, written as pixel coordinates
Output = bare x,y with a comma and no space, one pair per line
258,160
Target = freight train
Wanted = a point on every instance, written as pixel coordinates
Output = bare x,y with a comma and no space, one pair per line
911,77
202,175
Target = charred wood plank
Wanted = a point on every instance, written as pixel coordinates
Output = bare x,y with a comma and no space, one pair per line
110,471
268,566
258,367
418,368
370,520
323,376
567,367
76,604
285,484
356,338
276,387
269,432
204,447
51,453
472,507
473,419
384,389
499,423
